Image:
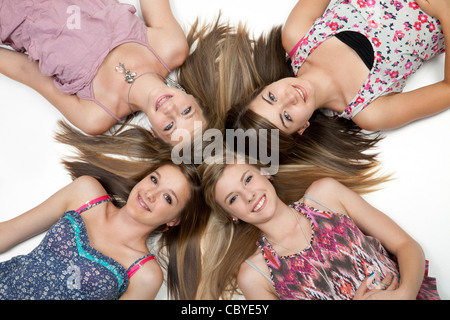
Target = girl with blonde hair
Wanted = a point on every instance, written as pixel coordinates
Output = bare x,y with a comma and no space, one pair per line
328,243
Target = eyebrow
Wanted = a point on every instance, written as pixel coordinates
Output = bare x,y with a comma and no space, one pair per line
242,179
170,190
282,121
266,100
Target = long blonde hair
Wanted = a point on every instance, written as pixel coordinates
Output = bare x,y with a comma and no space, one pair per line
227,244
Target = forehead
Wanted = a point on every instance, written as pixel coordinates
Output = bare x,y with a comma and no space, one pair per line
172,177
231,176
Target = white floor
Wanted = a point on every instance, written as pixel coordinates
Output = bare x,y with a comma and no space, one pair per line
418,154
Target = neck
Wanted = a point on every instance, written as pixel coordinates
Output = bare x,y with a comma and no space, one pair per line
328,90
283,225
127,230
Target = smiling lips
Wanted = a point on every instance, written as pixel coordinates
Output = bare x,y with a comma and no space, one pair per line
143,204
260,204
302,92
161,100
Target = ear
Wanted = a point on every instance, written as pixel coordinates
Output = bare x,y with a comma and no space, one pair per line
264,172
300,132
174,222
153,134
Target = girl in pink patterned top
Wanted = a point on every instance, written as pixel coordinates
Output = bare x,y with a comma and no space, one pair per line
306,250
349,54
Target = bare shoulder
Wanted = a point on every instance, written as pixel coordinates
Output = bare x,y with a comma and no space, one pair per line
326,194
146,282
150,274
251,282
85,188
323,186
170,45
300,20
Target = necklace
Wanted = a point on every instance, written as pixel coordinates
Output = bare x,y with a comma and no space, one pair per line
130,77
324,274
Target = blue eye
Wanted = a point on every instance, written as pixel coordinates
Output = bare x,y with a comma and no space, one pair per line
168,198
272,97
287,117
186,111
168,127
233,199
249,178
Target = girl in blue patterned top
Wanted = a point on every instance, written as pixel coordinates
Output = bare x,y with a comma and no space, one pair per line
99,251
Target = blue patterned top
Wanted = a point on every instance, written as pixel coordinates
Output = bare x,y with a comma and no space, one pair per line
63,266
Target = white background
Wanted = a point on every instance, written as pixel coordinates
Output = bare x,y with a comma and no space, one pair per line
418,154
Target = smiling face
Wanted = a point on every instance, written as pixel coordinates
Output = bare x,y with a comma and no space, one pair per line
158,199
287,103
246,194
170,109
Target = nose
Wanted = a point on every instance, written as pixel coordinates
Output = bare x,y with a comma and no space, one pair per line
151,196
250,195
290,96
169,108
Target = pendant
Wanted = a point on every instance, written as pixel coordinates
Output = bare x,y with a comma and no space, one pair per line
129,76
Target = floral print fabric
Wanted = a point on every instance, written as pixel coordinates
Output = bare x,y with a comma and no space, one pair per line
345,253
402,37
63,266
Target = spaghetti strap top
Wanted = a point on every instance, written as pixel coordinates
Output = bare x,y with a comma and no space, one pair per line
62,41
138,263
318,202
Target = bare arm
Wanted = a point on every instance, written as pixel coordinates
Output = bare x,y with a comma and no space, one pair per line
254,285
145,283
373,222
42,217
164,32
396,110
300,21
83,114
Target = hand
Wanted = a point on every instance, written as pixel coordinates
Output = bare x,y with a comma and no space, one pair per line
437,8
385,290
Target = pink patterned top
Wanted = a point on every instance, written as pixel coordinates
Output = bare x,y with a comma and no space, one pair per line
402,37
347,255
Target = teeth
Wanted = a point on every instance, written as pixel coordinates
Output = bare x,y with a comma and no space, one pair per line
162,101
301,93
143,204
260,203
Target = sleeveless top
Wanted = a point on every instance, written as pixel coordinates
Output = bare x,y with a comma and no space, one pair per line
70,39
64,266
401,35
346,254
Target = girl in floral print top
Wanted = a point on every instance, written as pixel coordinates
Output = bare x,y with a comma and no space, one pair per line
401,35
100,250
307,252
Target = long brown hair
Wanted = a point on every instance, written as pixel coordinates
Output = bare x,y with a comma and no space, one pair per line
120,161
329,142
219,69
228,244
